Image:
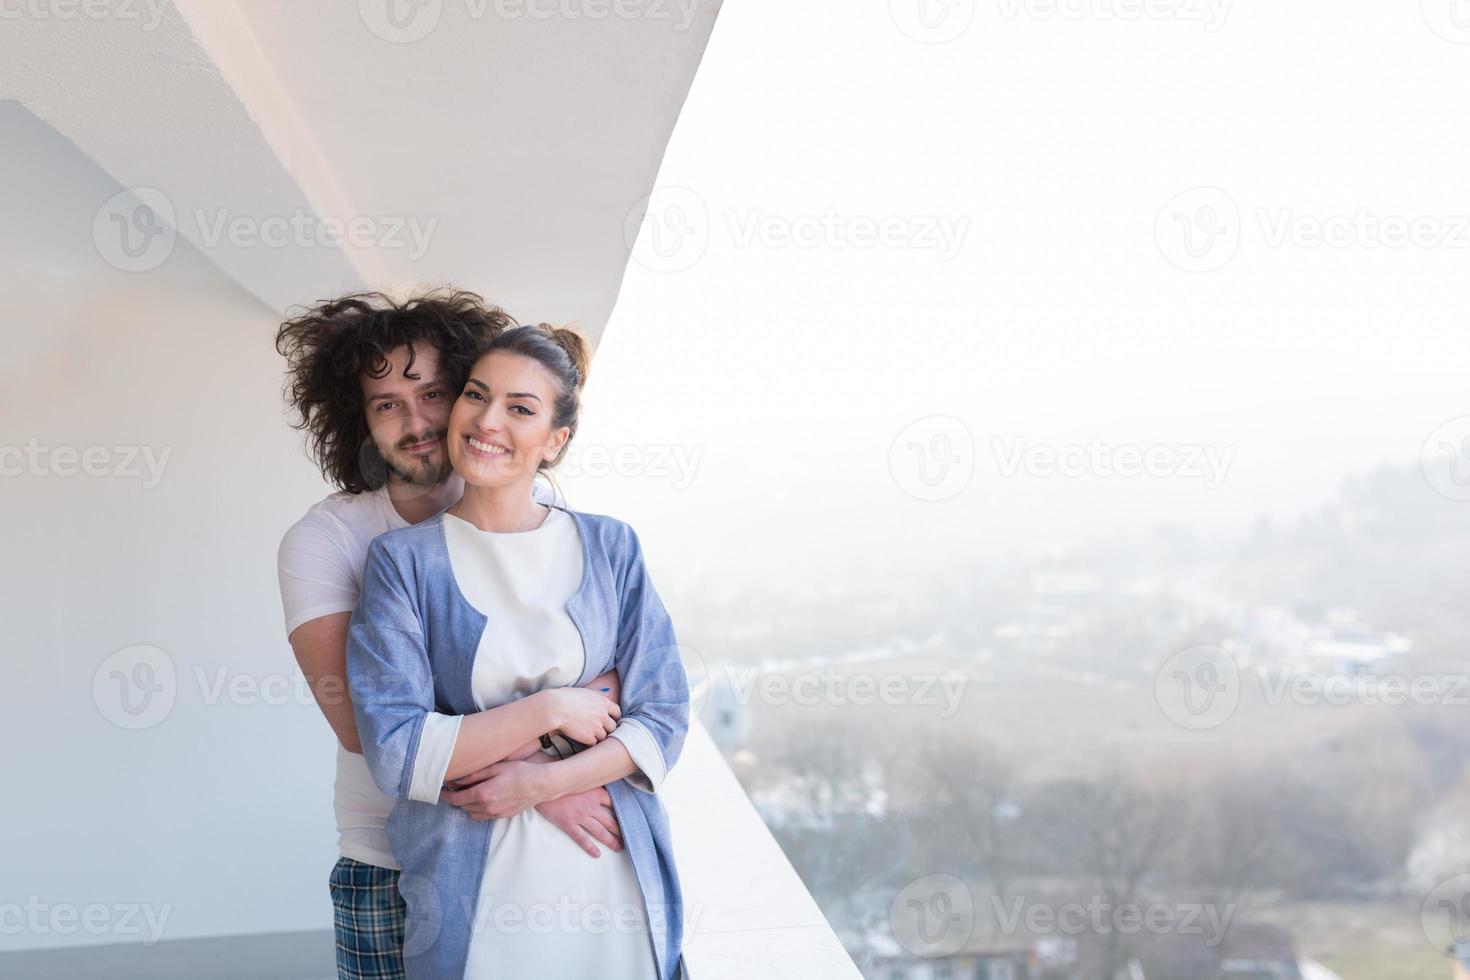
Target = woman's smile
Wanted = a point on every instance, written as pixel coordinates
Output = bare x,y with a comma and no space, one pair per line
485,449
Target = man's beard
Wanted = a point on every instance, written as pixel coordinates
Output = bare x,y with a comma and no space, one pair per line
420,472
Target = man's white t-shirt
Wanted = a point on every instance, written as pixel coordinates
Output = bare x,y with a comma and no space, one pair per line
320,565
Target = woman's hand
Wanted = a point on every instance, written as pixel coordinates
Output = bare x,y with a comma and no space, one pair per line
581,715
507,789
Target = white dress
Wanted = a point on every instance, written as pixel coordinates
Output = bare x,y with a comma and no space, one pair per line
546,908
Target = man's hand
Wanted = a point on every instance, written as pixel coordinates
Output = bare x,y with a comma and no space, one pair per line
585,818
506,789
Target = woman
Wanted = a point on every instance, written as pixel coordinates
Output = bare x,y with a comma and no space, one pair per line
473,639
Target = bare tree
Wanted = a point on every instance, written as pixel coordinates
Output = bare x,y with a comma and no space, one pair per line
1118,831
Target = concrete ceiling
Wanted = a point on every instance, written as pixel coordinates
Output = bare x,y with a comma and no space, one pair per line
309,148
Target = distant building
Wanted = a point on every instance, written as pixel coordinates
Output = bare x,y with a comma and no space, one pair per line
1338,644
1062,597
1342,644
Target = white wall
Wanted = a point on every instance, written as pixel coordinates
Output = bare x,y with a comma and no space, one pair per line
218,816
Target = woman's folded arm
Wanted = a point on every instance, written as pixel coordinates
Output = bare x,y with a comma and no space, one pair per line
410,747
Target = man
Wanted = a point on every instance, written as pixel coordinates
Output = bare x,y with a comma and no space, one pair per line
372,382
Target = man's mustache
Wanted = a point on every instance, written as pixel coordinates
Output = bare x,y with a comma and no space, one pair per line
414,440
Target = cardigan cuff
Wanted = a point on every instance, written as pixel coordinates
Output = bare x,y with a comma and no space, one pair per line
647,755
431,761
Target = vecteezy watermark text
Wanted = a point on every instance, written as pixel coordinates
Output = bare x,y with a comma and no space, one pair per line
35,917
1201,229
840,686
1210,13
1099,916
675,464
148,13
942,234
144,463
1209,464
408,21
670,229
136,229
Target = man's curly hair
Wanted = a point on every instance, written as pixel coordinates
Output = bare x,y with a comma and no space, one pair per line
330,346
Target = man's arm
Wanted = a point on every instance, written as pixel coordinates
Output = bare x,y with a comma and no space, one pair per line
321,651
319,590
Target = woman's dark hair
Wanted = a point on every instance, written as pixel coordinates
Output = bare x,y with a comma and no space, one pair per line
564,354
330,346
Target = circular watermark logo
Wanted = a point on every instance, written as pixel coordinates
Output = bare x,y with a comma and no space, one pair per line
933,915
1199,229
426,912
1450,19
1445,915
1445,459
933,458
1199,687
135,687
932,21
134,229
668,230
400,21
697,670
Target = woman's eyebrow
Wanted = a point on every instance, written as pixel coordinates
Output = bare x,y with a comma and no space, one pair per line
509,394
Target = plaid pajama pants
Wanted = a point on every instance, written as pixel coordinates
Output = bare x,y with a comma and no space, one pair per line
368,916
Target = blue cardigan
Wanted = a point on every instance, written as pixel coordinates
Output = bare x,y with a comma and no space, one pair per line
411,648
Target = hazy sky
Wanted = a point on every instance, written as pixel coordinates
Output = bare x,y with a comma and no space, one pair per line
1046,271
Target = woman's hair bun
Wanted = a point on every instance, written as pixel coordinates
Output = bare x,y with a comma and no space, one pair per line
576,347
